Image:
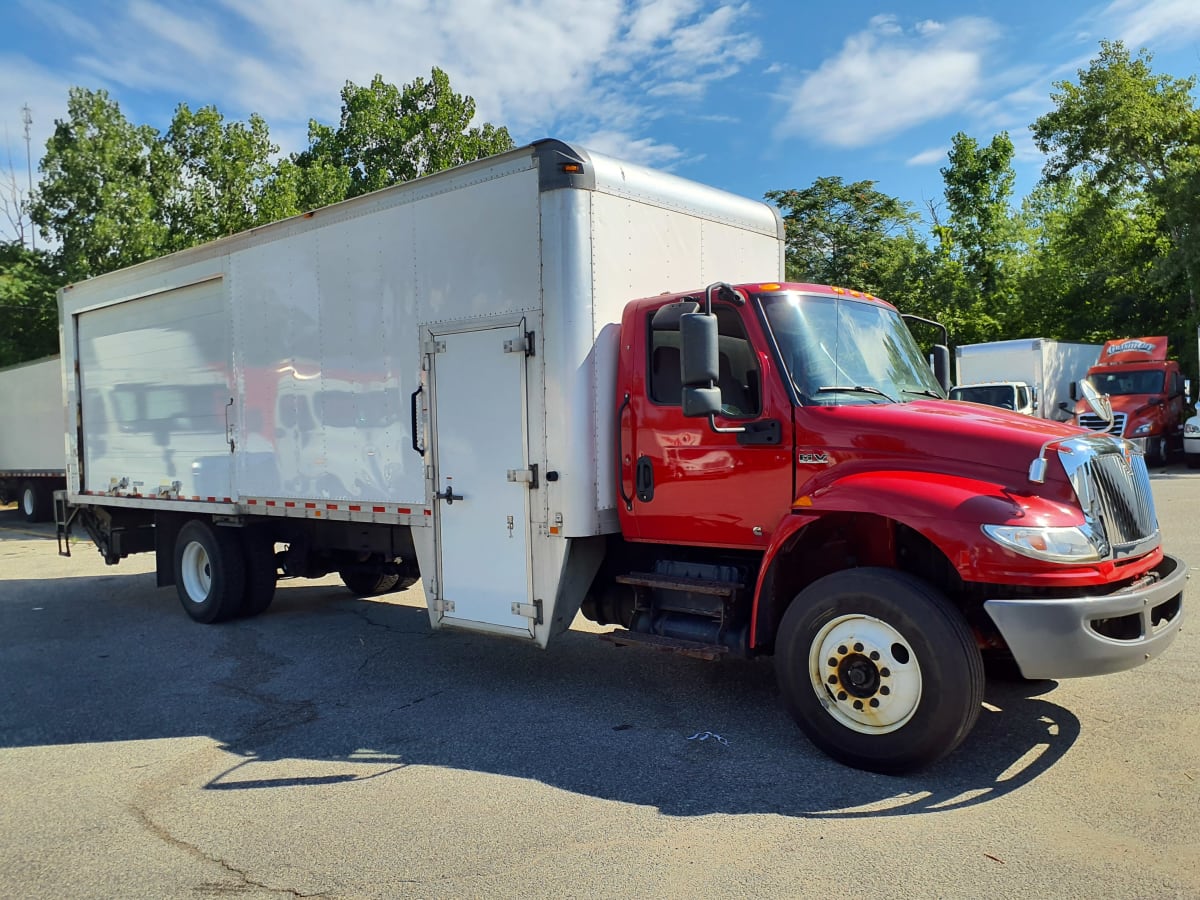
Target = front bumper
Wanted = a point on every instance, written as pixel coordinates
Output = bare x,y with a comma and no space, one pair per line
1096,635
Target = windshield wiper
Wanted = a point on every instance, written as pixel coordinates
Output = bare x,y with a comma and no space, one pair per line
854,389
923,393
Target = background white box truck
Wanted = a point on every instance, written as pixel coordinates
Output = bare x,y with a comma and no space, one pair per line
32,422
1028,375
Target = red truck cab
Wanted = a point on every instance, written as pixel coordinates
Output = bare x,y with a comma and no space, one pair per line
793,482
1147,394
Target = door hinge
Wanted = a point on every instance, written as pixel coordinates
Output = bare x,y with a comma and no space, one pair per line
523,344
529,611
528,475
433,346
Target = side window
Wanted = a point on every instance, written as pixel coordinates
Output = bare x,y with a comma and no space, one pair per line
740,378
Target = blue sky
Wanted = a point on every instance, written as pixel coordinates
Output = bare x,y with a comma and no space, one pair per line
750,95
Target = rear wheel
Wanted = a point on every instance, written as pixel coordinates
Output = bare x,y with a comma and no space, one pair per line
879,670
34,502
262,571
210,571
368,584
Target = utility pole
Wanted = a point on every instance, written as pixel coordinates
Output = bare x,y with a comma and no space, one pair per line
27,118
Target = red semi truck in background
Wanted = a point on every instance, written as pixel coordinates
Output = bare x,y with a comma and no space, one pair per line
452,379
1147,394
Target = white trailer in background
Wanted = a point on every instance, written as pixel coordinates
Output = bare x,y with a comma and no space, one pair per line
418,380
1029,375
32,450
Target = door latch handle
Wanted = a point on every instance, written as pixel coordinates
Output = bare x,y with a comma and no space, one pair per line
448,495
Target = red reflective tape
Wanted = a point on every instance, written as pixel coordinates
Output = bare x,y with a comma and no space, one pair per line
404,511
310,506
331,506
252,502
376,508
270,503
355,509
289,504
427,512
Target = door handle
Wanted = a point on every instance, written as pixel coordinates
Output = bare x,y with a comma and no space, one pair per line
644,479
448,495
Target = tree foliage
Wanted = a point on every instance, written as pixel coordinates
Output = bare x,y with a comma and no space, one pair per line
28,306
838,233
388,135
103,185
1131,138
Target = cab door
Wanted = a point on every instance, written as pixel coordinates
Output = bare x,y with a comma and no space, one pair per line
681,482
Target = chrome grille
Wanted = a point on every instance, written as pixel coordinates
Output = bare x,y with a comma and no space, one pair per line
1113,487
1095,423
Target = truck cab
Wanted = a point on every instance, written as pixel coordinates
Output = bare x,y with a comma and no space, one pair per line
792,481
1147,394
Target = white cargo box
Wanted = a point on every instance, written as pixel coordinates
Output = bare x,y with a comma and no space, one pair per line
281,371
31,403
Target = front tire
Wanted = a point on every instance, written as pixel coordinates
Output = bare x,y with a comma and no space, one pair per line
879,670
210,571
1156,454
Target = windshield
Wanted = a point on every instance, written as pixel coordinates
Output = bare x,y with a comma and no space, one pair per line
1139,381
839,350
1000,395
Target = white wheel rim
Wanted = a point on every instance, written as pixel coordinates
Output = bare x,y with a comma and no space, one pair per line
865,674
197,572
27,501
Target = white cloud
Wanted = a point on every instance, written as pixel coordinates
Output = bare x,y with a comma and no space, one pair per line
928,157
885,81
568,66
1142,22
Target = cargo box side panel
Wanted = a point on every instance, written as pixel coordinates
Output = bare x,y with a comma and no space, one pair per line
31,403
477,249
156,390
327,360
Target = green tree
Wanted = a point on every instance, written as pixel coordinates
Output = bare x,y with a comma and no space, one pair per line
388,135
1131,138
838,233
102,187
28,306
981,227
225,179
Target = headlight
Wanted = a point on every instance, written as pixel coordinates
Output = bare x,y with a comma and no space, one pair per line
1072,544
1189,428
1143,429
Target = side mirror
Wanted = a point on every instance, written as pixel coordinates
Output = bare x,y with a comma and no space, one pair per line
698,364
1099,403
941,365
1074,390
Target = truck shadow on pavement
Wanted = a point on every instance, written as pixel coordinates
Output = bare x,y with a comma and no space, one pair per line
326,688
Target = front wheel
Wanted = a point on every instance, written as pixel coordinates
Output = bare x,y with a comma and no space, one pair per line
878,669
1156,452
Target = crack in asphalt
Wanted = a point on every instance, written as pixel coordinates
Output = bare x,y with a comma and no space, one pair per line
164,835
